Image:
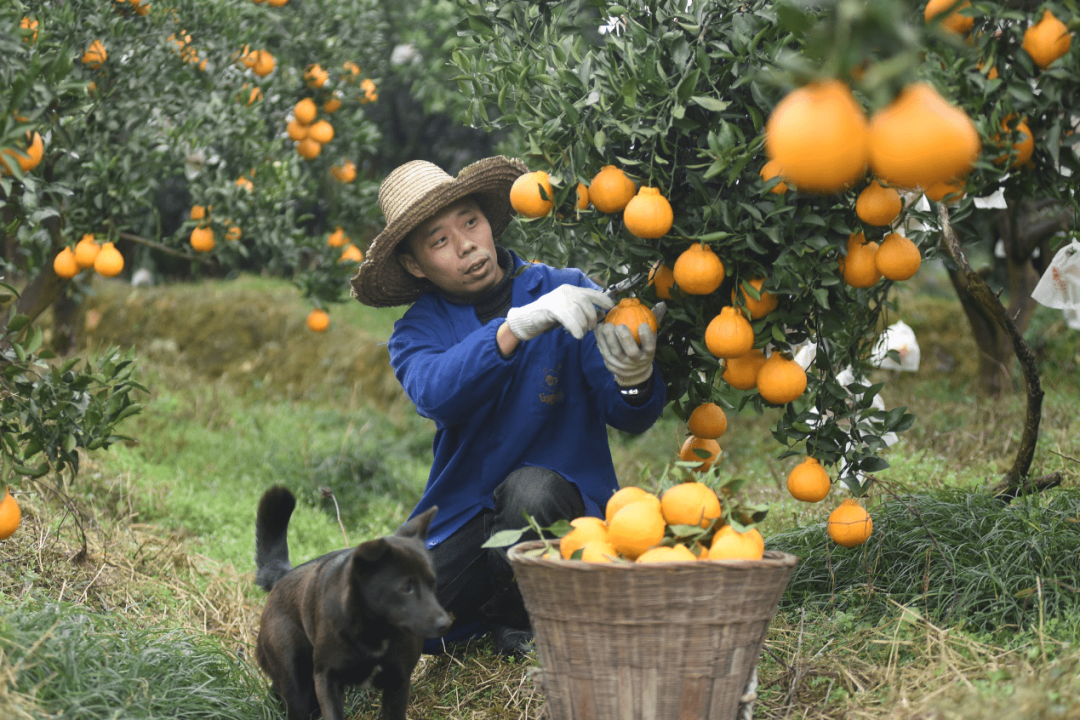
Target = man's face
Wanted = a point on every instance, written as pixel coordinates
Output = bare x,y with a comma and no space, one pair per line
454,249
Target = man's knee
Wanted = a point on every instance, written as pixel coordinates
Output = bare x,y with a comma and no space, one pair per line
542,493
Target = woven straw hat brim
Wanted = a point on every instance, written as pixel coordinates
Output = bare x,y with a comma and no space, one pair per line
381,281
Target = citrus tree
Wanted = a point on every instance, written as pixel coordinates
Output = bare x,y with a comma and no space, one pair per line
688,101
182,137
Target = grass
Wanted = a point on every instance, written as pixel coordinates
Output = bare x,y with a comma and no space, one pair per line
935,615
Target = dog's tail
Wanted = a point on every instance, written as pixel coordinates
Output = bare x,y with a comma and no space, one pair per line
271,536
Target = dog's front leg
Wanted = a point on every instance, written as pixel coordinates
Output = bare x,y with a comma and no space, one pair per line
395,700
331,694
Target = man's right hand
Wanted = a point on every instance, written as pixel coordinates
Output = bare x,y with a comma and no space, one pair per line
573,307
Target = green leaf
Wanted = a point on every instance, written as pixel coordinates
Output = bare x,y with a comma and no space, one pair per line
505,538
710,103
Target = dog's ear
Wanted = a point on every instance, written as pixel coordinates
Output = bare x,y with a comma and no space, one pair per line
418,526
370,551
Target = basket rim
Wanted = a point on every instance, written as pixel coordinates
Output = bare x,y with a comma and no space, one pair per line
517,556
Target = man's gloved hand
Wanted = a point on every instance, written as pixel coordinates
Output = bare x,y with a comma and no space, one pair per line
573,307
630,363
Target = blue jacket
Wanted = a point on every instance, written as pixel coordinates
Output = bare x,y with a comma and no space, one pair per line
548,404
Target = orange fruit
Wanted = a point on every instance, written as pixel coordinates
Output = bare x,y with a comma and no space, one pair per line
315,76
65,265
95,55
664,554
86,251
707,420
690,503
370,96
662,278
338,238
850,525
633,314
332,105
648,214
611,190
264,63
585,530
920,139
243,182
766,303
582,197
351,254
318,320
28,159
878,205
599,551
624,496
954,21
321,132
950,191
770,170
202,239
233,233
308,149
1023,149
781,380
636,528
898,258
691,445
30,27
198,212
1047,40
698,270
729,544
741,372
10,515
858,266
808,481
109,262
345,172
305,111
277,3
729,334
818,135
296,130
532,194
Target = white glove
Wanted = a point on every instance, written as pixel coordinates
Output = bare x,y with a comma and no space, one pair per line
573,307
630,363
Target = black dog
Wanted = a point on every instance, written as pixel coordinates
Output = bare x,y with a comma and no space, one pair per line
349,617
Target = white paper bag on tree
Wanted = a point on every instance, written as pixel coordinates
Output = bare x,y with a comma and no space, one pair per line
1059,286
899,337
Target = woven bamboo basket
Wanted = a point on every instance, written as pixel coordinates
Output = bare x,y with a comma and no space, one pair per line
648,642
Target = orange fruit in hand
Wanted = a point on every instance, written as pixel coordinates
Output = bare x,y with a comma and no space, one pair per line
318,320
202,239
10,515
690,448
662,278
898,258
770,170
648,214
690,503
707,421
633,314
636,528
741,372
954,21
698,270
585,530
611,190
808,481
878,205
624,496
86,251
858,266
664,554
526,196
109,262
761,307
850,525
729,544
729,334
65,265
305,111
920,139
781,380
818,135
1047,40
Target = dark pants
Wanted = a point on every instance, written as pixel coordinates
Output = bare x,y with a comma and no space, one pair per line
477,584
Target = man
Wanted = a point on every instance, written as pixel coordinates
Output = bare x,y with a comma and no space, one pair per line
499,353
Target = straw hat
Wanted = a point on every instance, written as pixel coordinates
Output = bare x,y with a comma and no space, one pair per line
411,194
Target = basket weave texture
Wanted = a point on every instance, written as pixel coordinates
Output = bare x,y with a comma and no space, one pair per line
665,641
